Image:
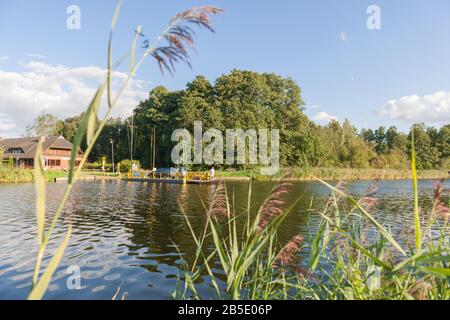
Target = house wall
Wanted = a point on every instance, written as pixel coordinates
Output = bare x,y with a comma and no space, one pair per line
58,159
58,163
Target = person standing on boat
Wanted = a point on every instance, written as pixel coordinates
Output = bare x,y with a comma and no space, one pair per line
212,174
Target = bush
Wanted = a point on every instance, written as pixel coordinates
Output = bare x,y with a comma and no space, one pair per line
446,164
126,165
97,166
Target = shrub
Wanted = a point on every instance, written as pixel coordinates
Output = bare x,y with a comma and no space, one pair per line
126,165
97,166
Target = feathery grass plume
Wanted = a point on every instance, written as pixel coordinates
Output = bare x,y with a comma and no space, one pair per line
365,230
307,274
335,198
274,204
219,204
421,290
288,254
442,210
91,126
180,37
369,200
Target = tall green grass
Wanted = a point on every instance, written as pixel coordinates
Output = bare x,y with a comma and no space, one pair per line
19,175
350,256
179,38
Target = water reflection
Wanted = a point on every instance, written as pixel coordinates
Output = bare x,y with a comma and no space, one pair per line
133,234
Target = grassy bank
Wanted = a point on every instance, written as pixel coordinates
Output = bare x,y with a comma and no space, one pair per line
297,174
27,176
336,174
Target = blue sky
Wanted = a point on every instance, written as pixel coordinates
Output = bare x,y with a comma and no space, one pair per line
393,76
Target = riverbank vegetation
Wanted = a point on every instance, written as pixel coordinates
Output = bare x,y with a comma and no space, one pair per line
18,175
334,174
349,256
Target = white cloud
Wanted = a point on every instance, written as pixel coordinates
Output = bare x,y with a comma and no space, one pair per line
344,36
433,108
324,118
59,90
3,58
7,125
37,56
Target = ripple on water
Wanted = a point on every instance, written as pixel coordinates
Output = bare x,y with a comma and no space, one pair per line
124,233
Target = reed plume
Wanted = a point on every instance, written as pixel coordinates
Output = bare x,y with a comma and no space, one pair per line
274,204
335,197
287,255
440,208
180,37
421,289
369,200
219,204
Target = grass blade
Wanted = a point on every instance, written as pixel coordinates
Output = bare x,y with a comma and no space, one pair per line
41,287
417,227
382,230
40,193
83,127
440,272
133,49
375,259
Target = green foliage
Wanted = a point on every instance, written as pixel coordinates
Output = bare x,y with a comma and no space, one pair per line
98,166
10,162
251,100
427,154
126,165
44,125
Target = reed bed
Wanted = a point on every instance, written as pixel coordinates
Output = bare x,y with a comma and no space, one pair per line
337,174
350,256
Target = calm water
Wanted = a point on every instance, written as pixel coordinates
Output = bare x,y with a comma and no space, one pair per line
124,233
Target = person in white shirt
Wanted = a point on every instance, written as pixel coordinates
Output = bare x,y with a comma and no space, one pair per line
212,174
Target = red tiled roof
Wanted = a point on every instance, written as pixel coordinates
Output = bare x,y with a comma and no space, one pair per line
28,146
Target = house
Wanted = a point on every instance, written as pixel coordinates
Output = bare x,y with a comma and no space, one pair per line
56,152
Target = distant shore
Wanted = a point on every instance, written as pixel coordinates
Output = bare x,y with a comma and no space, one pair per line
334,174
296,174
27,176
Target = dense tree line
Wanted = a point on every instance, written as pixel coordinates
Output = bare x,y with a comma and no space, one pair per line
250,100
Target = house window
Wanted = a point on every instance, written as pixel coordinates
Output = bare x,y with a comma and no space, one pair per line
54,163
14,150
62,152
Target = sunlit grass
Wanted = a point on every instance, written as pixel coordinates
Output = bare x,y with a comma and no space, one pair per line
168,49
18,175
350,256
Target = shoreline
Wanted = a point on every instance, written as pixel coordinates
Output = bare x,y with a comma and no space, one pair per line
298,175
337,174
